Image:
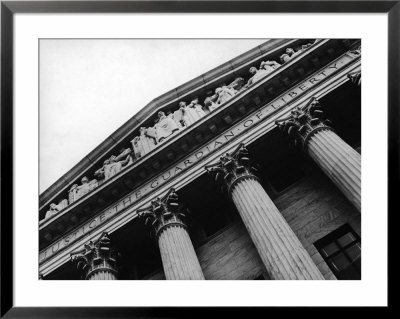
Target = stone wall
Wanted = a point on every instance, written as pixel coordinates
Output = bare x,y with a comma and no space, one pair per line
313,208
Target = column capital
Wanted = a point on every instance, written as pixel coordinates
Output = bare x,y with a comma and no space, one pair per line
355,77
164,212
303,123
96,256
233,167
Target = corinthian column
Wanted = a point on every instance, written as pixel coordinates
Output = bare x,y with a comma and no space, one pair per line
279,248
167,218
340,162
98,260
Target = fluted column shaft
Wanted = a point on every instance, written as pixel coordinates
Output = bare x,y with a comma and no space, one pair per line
340,162
311,130
103,275
279,248
178,255
102,271
167,217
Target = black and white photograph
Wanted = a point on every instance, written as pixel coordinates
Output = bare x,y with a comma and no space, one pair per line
200,159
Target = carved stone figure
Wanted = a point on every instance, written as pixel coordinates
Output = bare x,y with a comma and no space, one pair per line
257,75
54,209
125,154
165,127
178,118
64,203
306,46
285,57
269,65
197,107
145,142
114,165
100,172
72,193
86,186
225,93
289,54
266,68
238,84
113,168
150,132
137,147
292,53
79,191
191,113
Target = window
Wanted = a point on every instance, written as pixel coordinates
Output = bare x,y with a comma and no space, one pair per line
341,250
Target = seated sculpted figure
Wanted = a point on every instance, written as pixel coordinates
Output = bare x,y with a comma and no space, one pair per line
100,173
114,167
86,186
289,54
150,132
266,68
191,113
175,118
54,209
79,191
225,93
238,85
145,142
269,65
114,164
197,107
125,154
165,127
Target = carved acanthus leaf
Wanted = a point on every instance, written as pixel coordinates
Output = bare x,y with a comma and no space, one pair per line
304,122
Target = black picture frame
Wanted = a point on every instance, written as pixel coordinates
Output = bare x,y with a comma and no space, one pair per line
9,8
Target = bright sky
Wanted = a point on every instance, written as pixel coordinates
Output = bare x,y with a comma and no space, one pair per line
89,88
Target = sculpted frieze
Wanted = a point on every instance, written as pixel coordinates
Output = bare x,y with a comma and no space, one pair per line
77,191
170,122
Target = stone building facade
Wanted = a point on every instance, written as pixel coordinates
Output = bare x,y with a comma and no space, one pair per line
249,171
